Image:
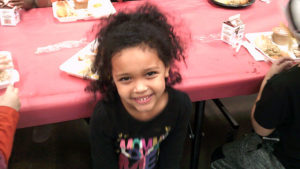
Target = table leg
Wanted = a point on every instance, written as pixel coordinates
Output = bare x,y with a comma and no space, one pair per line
196,142
226,113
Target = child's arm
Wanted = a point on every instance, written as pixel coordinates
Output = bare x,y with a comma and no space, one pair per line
277,67
28,4
171,149
9,105
103,153
43,3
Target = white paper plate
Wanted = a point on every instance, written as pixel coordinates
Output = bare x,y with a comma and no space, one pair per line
12,73
252,36
78,68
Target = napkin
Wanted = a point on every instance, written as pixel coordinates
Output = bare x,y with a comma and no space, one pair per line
253,51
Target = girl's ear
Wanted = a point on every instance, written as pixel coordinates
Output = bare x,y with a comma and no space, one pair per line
167,71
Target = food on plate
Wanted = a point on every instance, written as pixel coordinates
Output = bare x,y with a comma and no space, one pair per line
87,60
63,9
81,4
6,55
4,76
296,52
86,71
73,10
233,2
281,36
86,57
97,5
265,44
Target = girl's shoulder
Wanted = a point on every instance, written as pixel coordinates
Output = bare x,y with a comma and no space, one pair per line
176,96
179,101
106,110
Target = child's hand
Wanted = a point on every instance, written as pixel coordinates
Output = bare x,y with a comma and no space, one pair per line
279,65
11,98
4,62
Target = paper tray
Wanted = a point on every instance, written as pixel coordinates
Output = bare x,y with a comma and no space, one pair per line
81,67
92,12
252,36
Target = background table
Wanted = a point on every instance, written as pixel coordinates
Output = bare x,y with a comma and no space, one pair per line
48,95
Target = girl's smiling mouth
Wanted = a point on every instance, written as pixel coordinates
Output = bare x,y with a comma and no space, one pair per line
143,99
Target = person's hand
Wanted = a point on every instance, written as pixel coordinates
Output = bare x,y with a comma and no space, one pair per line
15,3
11,3
11,98
279,65
5,63
2,4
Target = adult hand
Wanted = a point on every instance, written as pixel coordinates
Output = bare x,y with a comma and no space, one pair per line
279,65
2,3
15,3
11,3
5,63
11,98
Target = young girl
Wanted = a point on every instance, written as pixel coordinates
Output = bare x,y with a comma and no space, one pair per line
141,122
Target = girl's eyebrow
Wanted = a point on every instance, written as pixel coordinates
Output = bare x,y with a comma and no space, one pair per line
151,68
145,70
122,74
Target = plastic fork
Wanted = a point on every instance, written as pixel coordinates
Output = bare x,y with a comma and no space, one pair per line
253,51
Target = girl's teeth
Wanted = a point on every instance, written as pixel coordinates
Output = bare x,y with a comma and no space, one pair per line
143,99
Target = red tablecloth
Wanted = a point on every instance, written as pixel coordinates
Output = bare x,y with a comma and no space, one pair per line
213,71
49,95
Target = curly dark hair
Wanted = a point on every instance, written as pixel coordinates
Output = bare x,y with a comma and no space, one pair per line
144,26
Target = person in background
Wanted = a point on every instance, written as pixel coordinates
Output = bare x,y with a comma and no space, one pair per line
141,121
9,116
42,3
25,4
40,133
275,117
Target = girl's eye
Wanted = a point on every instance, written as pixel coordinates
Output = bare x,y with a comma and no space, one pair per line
151,73
124,79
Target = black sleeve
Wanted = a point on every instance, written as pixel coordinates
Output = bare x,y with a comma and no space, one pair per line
171,149
271,109
102,149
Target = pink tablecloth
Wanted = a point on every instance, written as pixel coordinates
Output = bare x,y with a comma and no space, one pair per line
49,95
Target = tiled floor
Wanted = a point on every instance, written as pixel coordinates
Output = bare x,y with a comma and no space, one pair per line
68,146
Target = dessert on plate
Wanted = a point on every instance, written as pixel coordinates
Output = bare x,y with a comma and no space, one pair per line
281,35
81,4
63,9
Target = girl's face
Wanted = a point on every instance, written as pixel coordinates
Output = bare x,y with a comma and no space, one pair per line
139,76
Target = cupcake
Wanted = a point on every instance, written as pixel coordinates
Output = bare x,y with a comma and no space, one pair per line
81,4
280,36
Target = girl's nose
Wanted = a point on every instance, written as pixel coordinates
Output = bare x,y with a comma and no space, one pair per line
140,87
